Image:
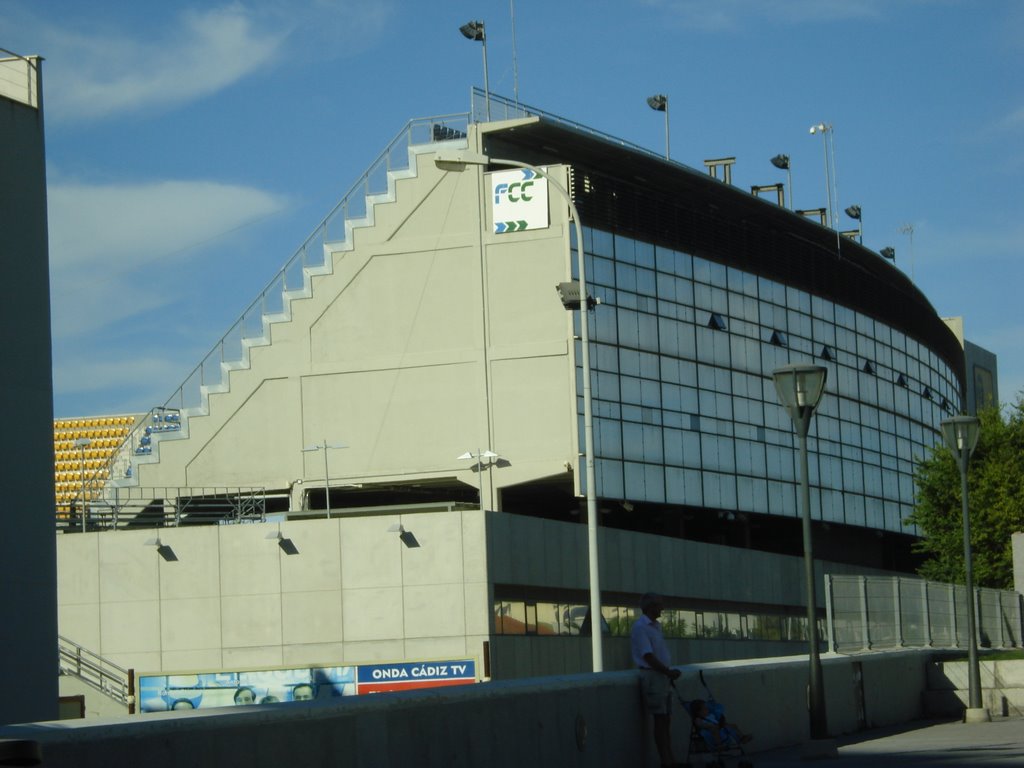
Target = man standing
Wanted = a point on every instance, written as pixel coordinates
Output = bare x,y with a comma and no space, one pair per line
651,656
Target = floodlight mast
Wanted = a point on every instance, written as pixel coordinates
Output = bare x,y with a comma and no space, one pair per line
457,161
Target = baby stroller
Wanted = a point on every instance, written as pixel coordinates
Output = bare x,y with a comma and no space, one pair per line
702,740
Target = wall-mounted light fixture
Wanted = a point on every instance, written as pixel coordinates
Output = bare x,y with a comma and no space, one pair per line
164,550
407,537
286,544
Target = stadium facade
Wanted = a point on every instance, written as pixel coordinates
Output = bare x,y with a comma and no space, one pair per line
415,359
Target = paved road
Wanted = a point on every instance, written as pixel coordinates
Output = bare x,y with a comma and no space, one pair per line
998,744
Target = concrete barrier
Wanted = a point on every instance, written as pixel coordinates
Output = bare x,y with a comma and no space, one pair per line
1002,687
575,720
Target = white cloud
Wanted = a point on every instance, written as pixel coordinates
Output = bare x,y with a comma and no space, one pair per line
97,75
1013,121
103,238
101,67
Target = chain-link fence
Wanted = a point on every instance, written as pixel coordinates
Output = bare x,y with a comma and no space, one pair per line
873,612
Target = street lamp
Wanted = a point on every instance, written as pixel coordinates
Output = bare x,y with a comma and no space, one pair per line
961,436
889,253
659,103
475,30
457,161
800,388
324,446
480,457
782,163
81,444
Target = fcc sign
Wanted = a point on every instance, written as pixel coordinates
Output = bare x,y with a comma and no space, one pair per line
519,200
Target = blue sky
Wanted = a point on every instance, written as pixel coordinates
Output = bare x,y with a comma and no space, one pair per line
192,147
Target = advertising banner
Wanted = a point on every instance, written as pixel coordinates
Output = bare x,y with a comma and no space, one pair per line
158,693
203,690
378,678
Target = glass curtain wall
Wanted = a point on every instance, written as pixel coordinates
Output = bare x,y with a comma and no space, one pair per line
685,411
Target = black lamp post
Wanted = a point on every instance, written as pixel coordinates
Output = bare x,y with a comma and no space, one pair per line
800,388
961,436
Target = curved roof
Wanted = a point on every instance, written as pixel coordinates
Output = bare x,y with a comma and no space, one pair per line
652,199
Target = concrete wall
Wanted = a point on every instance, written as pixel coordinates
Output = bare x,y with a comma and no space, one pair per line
1002,687
581,720
234,599
27,561
428,339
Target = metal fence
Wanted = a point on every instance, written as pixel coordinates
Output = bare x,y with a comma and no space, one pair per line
873,612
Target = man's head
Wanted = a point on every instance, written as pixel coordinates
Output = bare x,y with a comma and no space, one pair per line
302,692
245,695
651,604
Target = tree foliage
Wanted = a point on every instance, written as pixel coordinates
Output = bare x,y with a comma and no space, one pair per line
995,478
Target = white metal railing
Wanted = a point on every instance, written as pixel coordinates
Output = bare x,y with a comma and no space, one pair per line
19,78
116,682
291,280
872,612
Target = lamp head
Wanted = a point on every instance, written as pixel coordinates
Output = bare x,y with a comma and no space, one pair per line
473,30
819,128
781,162
658,102
853,212
889,252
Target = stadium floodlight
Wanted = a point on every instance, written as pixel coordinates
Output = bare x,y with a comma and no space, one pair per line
854,213
456,161
782,163
325,446
475,30
889,252
800,388
659,103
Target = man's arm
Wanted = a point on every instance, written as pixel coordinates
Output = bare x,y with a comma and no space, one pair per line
654,663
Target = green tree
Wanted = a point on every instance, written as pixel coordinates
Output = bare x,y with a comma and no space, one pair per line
995,478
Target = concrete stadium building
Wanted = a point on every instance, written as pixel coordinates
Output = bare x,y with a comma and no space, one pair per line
420,328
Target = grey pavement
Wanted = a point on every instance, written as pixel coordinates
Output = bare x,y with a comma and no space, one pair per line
924,743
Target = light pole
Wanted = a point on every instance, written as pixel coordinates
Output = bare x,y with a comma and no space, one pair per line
325,446
800,388
457,161
961,436
81,444
782,163
475,30
659,103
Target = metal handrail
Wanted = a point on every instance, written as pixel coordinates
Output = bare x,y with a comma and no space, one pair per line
105,676
32,95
